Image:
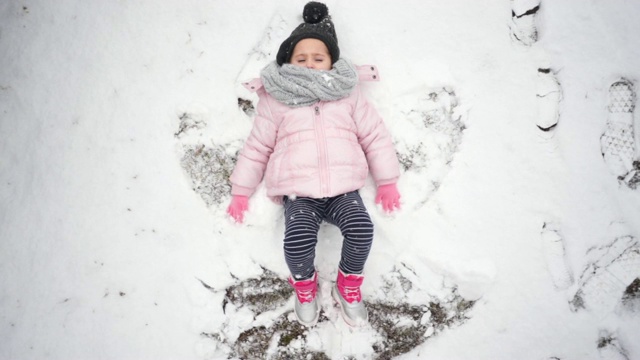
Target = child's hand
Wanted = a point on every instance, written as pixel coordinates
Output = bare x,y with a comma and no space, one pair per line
239,204
389,197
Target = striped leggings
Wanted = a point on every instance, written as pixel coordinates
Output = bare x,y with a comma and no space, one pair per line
303,217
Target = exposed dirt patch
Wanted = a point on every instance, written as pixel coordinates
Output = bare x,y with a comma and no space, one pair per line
265,293
209,168
400,326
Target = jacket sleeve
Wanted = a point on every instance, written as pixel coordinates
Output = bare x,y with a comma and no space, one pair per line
254,156
376,142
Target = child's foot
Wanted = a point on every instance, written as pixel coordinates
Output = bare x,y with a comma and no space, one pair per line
306,305
346,293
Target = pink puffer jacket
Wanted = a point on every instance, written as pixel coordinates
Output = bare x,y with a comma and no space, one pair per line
317,151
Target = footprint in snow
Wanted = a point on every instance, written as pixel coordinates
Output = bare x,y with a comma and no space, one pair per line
610,279
619,142
523,21
553,245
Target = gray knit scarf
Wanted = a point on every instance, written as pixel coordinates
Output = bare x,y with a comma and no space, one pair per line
298,86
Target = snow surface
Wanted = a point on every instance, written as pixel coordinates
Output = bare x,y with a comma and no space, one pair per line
103,242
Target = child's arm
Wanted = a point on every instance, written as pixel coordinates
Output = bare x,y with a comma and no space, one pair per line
252,161
376,142
378,147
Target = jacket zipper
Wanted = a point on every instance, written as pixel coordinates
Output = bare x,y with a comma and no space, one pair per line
322,153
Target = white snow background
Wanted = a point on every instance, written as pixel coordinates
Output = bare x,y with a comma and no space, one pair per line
104,244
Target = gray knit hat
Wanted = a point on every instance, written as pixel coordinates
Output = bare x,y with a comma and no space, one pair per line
317,25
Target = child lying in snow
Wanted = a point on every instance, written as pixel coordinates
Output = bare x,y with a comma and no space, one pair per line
314,139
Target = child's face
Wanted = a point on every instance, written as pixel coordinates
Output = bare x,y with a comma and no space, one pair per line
311,53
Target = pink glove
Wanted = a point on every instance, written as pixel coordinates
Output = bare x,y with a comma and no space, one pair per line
239,204
389,197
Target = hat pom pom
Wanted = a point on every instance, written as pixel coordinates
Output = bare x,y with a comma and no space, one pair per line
314,12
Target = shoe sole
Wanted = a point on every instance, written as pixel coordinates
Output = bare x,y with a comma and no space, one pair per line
603,290
617,143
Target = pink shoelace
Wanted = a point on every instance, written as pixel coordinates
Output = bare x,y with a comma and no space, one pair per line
305,290
351,294
305,296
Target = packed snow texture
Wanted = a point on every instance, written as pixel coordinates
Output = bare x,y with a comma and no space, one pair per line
518,237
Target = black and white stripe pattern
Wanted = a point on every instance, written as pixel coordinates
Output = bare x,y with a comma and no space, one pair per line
303,217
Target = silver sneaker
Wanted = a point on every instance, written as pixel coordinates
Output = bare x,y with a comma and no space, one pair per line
306,305
346,293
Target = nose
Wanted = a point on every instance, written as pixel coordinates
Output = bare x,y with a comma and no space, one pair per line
311,65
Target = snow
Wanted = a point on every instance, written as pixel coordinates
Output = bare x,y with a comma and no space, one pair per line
104,245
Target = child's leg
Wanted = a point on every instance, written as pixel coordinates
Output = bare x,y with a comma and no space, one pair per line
302,222
349,214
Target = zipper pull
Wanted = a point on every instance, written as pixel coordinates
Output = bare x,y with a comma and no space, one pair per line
317,110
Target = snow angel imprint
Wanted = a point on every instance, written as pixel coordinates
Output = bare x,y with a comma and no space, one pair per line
314,141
